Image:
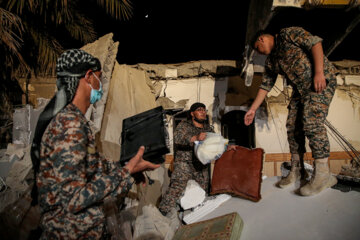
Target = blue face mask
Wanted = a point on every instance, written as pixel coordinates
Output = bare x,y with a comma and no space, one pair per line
96,95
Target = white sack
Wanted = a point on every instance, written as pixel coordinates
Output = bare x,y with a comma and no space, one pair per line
211,148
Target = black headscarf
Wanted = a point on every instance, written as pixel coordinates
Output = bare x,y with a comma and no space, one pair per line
71,66
197,105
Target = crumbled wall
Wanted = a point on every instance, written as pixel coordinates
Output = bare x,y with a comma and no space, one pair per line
129,94
218,84
39,87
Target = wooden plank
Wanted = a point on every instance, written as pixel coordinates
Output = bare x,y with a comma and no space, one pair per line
268,169
283,157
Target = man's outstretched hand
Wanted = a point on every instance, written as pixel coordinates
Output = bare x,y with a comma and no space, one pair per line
138,164
249,117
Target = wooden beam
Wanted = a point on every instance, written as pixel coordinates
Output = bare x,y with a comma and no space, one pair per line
283,157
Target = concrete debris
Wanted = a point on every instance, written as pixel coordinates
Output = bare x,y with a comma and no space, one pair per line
150,194
21,125
127,219
174,223
351,171
14,150
349,67
287,3
156,88
4,158
167,103
19,218
190,69
9,156
193,195
8,197
352,80
205,208
153,223
15,161
339,80
24,122
18,173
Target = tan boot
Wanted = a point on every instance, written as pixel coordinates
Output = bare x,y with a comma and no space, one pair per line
294,173
320,180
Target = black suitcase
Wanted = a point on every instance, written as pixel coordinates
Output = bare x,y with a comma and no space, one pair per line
146,129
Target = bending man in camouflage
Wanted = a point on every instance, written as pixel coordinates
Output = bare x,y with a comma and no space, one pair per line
186,165
298,56
72,179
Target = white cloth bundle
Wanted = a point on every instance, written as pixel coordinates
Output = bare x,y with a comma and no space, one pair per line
211,148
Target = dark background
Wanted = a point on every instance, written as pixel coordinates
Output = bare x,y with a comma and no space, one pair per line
173,31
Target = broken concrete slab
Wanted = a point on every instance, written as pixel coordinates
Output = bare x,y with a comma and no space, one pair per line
24,122
339,80
150,194
105,49
348,67
189,69
129,94
167,103
352,80
16,178
21,125
193,195
205,208
153,223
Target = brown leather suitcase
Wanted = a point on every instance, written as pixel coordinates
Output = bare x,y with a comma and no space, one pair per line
239,173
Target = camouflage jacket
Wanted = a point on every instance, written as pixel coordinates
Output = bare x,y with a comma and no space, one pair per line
182,135
292,58
74,179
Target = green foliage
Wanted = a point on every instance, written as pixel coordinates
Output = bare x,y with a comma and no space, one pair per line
32,31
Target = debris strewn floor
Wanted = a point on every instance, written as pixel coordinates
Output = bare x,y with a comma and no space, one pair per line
282,214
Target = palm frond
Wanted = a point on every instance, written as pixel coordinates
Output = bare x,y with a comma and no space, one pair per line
11,29
18,6
119,9
81,29
48,51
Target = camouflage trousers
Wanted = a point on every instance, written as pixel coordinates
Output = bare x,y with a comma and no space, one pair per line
307,115
183,172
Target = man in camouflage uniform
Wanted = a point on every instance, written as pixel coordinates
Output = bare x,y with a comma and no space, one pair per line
72,179
186,165
298,56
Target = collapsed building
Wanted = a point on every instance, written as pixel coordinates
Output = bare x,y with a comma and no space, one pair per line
132,89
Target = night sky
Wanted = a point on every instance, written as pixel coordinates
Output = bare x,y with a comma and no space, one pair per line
163,31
